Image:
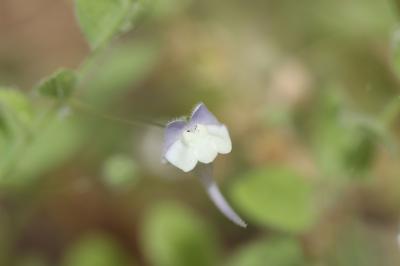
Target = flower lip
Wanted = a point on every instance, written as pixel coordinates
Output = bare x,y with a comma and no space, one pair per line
198,140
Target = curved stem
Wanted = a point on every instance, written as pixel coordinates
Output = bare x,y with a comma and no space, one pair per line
205,174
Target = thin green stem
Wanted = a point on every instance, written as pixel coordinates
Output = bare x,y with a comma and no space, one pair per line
138,121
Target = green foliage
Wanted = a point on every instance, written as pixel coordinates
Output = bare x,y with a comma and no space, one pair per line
17,104
330,136
119,170
59,85
275,197
173,236
33,142
96,250
276,252
178,56
16,125
57,141
100,20
345,142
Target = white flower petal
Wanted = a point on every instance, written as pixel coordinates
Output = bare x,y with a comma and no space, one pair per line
204,150
181,156
220,137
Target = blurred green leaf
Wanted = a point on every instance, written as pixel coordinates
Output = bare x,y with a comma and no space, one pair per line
276,197
17,103
59,85
55,143
119,170
96,250
345,142
125,65
100,20
276,252
174,236
329,135
16,124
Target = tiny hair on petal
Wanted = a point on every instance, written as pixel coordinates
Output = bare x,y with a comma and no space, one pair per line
196,107
178,119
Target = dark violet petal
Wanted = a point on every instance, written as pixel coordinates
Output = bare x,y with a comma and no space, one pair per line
201,115
173,131
205,173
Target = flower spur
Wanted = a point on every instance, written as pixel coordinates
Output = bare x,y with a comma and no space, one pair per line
194,145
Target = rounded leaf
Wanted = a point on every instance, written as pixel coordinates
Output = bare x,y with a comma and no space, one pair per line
173,236
275,197
276,252
14,101
96,250
119,170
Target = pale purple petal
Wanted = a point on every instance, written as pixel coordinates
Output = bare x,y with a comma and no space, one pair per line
205,174
201,115
173,131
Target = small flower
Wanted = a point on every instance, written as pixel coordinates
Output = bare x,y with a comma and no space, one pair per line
198,140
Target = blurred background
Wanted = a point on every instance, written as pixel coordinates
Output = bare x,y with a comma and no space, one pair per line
308,89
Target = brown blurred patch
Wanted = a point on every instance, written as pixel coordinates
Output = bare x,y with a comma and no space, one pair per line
38,37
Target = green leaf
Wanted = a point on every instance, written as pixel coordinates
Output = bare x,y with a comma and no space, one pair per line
57,141
17,103
100,20
59,85
174,236
276,197
16,124
345,142
96,250
119,170
276,252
